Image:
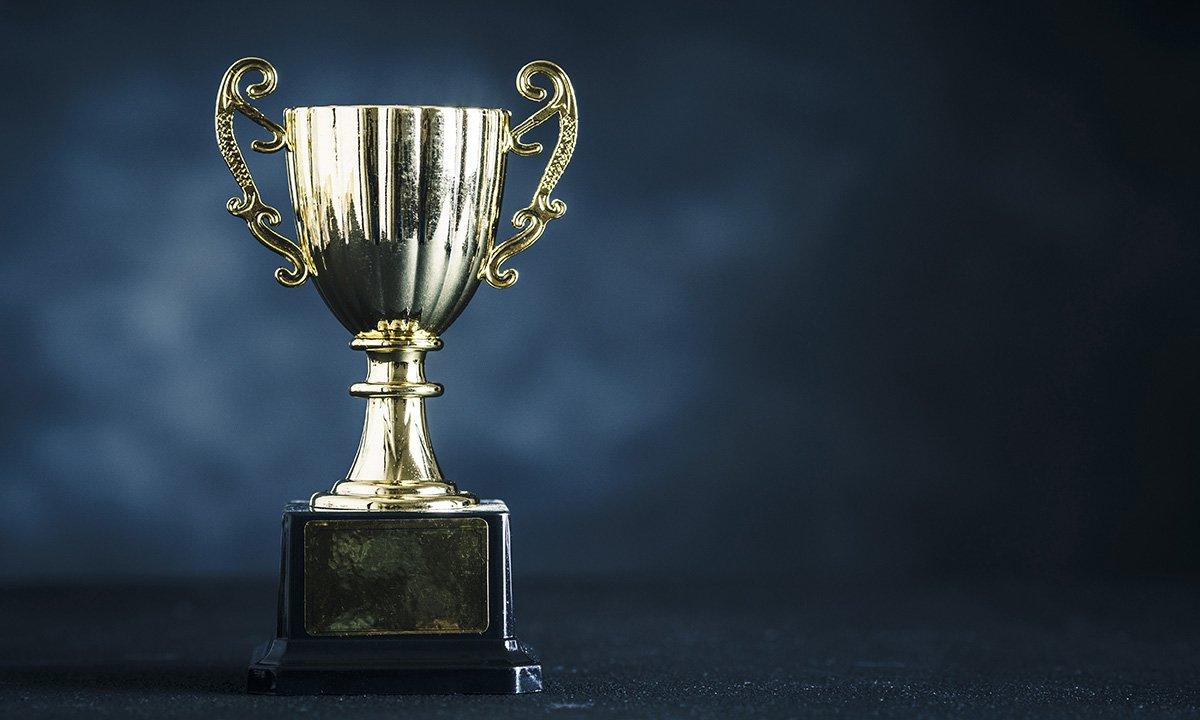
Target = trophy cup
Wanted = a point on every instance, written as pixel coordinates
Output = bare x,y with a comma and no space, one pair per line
395,580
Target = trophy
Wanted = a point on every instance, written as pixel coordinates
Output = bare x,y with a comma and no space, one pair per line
395,580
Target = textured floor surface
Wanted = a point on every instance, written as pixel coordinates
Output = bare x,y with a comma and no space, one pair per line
1064,650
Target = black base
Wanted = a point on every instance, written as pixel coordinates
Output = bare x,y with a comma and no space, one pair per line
395,602
283,667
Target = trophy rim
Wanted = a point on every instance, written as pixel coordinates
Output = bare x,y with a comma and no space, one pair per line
400,107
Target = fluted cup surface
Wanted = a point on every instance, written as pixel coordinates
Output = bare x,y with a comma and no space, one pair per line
396,206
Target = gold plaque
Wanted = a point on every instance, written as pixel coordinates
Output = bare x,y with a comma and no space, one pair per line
396,576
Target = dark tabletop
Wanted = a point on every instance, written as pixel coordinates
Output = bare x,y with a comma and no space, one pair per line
1065,649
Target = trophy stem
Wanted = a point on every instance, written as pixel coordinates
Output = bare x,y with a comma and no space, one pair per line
395,467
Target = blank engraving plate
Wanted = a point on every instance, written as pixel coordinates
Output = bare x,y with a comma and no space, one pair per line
396,576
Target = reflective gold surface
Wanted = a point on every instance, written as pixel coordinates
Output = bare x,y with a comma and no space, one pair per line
260,217
396,213
531,220
395,206
395,468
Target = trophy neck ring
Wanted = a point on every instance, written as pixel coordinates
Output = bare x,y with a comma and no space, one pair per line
397,336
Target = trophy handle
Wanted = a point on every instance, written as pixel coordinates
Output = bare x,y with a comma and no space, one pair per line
259,216
531,221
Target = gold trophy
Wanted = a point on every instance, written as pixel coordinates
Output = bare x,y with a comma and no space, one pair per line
395,580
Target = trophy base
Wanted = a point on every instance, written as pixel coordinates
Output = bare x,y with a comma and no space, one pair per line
395,602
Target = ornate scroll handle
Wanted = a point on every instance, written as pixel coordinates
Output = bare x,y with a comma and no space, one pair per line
531,221
259,216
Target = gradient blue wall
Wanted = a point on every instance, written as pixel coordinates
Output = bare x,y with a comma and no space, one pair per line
842,289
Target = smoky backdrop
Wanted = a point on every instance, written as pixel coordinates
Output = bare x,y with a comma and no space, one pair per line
843,289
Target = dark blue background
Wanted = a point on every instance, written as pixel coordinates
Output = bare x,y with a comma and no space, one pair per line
842,290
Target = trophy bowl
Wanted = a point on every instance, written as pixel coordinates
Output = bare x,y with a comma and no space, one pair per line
396,207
